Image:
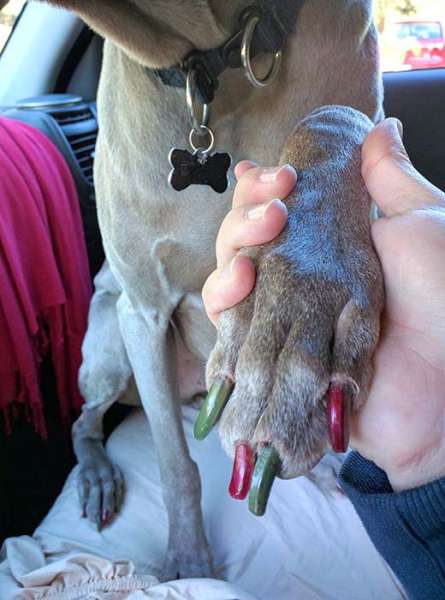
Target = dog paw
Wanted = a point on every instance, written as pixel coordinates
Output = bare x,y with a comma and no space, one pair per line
289,366
291,362
294,358
100,485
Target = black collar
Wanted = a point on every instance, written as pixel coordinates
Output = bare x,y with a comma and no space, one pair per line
277,22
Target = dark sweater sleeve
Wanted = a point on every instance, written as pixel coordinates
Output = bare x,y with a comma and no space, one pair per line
408,529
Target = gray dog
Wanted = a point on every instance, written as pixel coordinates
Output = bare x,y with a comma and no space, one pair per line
313,319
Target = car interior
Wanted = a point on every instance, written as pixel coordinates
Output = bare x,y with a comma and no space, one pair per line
54,92
50,81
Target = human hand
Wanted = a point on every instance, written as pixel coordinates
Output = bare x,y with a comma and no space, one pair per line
402,426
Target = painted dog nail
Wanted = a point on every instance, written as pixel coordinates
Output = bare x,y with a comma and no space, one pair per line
339,417
99,524
105,518
266,469
212,408
84,511
243,467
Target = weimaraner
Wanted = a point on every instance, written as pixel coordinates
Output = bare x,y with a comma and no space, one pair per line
304,339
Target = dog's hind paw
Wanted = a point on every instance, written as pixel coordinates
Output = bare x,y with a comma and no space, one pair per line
100,485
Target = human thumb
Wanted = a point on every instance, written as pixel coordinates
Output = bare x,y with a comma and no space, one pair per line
392,181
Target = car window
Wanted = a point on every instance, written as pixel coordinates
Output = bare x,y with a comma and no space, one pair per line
411,34
8,16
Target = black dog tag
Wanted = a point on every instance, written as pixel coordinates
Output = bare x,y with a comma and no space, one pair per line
199,168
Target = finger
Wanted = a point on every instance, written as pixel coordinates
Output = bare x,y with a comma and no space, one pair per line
262,184
249,226
393,182
242,167
227,287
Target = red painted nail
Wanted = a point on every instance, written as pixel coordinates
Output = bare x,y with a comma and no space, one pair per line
243,467
339,417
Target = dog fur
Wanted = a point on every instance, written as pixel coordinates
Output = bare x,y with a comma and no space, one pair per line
160,244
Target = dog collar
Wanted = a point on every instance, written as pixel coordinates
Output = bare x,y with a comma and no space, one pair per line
276,21
265,26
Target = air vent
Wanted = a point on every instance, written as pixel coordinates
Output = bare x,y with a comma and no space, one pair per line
79,125
83,147
75,119
66,117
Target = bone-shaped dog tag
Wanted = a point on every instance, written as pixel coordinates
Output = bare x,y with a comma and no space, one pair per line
199,169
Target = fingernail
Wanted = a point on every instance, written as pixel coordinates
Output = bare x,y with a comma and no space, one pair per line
259,211
243,467
212,408
266,469
270,174
339,417
252,164
226,273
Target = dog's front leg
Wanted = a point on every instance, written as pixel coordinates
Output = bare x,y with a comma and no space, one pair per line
151,349
103,378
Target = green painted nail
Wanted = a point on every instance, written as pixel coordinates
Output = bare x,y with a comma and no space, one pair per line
266,468
212,408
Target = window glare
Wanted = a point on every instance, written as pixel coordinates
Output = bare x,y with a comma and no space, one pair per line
412,34
8,15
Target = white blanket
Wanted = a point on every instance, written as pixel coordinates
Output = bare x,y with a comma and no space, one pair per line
309,546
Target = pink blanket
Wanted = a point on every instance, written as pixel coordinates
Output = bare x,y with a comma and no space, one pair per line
44,277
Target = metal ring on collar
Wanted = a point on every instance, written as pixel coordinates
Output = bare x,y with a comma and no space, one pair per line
197,122
202,131
246,57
